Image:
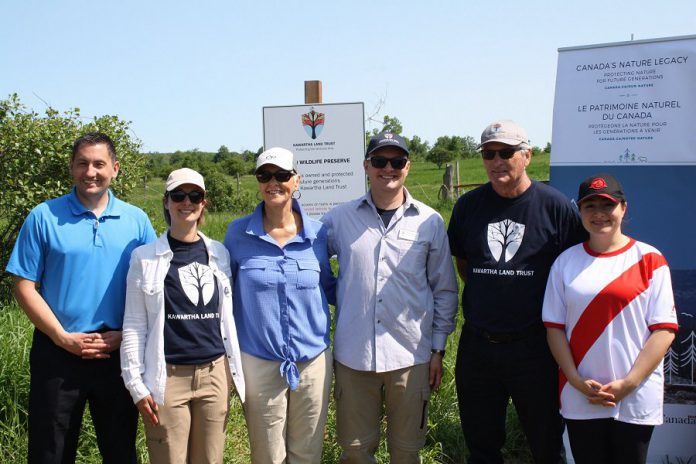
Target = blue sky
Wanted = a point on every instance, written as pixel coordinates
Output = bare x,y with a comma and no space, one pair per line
196,74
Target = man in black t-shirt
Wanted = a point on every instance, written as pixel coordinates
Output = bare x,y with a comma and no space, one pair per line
505,235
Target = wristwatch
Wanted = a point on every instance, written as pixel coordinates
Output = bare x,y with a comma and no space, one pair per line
441,352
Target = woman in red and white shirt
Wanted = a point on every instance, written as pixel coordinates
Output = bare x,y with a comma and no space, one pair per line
610,318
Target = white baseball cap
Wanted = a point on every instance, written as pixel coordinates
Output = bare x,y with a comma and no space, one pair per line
184,176
277,156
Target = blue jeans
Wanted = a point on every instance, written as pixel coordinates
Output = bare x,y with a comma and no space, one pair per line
488,374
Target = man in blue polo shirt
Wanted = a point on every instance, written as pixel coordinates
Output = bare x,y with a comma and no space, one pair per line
70,263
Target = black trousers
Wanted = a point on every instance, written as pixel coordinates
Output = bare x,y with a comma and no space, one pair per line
489,374
608,441
61,384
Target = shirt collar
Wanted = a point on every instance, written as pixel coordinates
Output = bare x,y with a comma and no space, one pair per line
113,209
255,226
366,200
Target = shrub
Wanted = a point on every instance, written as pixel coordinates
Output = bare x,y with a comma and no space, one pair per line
223,197
35,153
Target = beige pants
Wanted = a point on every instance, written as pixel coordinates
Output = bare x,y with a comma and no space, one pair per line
194,415
286,426
359,396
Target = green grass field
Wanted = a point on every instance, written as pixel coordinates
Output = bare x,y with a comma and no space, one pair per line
445,443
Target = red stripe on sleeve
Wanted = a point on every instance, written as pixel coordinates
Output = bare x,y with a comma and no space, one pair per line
554,325
664,325
608,304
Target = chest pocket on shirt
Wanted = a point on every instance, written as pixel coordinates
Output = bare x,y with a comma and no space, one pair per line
412,256
257,272
307,273
154,292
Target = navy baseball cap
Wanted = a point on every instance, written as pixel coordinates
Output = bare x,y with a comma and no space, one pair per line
386,139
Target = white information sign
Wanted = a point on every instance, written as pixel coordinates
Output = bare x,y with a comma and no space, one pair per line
626,104
328,141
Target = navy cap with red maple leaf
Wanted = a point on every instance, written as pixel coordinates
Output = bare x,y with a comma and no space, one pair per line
602,184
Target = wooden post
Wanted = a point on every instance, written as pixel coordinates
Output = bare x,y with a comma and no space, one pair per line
312,92
459,182
445,192
448,180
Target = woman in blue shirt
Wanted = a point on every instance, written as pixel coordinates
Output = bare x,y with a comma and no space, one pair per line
283,285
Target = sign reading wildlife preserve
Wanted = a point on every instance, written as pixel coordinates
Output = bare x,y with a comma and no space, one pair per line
630,105
629,109
328,141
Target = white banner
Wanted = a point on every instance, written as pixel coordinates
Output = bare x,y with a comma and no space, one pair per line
629,109
328,141
631,103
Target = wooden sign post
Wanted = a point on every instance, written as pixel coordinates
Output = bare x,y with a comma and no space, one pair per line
312,92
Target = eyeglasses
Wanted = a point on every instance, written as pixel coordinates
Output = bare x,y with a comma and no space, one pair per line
196,196
505,154
380,162
280,176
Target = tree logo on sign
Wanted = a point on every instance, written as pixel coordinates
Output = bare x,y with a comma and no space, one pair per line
313,123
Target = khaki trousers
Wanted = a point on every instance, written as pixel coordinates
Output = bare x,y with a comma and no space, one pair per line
359,396
286,426
194,415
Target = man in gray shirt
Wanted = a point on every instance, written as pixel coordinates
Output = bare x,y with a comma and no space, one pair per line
396,305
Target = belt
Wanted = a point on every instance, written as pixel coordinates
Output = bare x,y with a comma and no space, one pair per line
504,337
193,367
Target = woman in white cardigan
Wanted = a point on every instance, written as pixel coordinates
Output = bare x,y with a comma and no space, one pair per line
180,355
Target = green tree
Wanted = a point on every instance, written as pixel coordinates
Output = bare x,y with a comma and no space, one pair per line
417,148
229,162
35,152
439,156
389,124
547,148
222,154
392,125
469,149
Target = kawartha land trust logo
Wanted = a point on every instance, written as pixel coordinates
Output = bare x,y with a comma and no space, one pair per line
504,239
313,123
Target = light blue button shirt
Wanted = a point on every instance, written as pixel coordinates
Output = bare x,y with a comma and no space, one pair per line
397,291
281,295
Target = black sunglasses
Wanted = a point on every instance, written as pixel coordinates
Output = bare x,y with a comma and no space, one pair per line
380,162
505,154
196,196
280,176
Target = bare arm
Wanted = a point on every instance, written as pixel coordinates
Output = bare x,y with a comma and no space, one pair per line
461,267
647,361
558,343
40,314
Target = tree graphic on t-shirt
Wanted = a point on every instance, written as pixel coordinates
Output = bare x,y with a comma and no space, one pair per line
197,281
504,239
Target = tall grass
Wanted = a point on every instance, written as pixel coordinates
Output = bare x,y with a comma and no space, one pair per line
445,442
